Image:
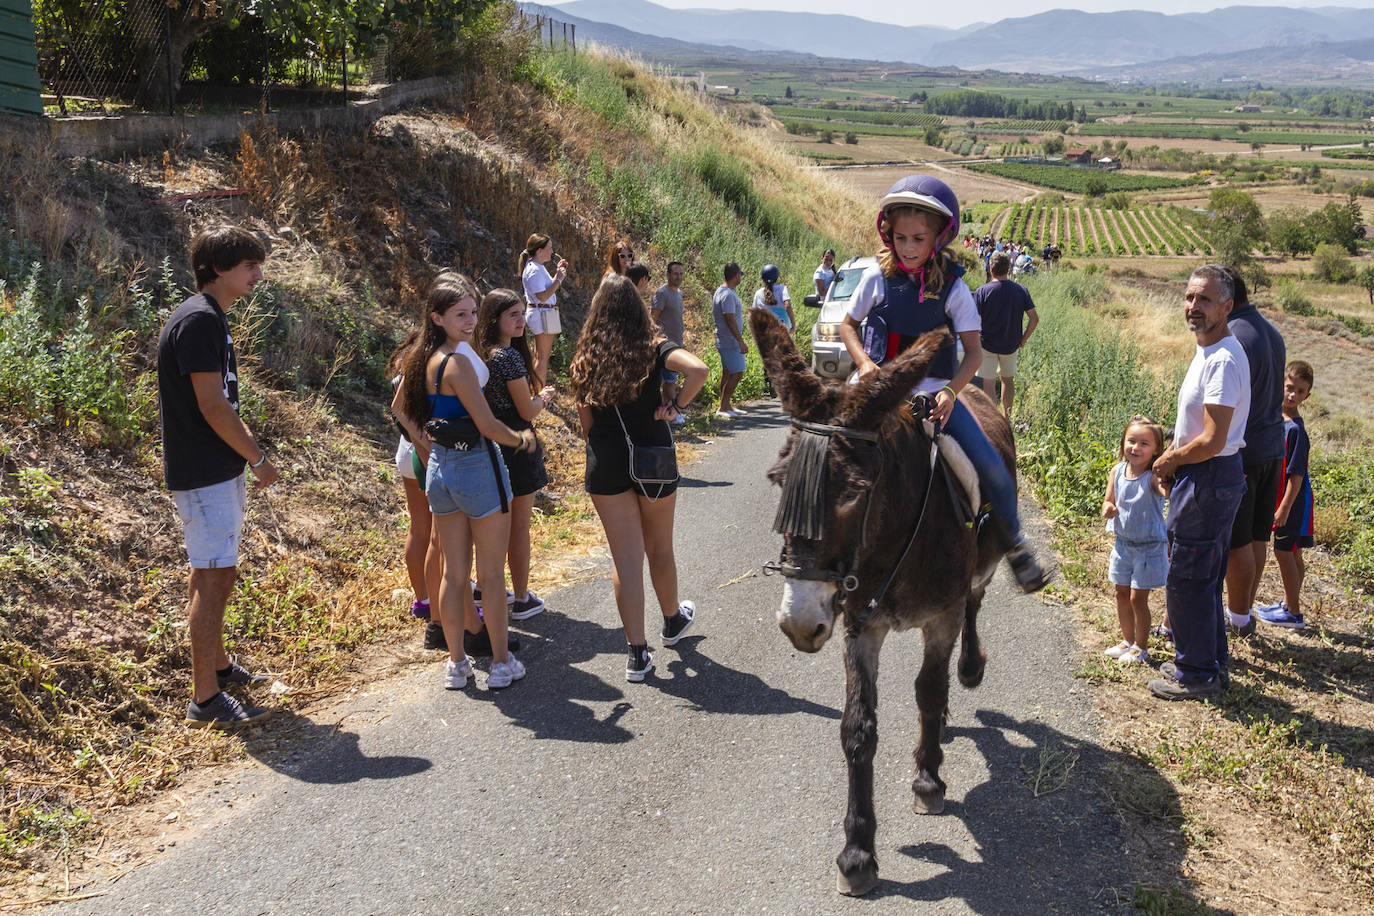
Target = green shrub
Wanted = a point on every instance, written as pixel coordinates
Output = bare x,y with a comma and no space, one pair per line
1292,299
1332,264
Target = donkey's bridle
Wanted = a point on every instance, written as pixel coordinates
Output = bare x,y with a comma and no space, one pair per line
847,580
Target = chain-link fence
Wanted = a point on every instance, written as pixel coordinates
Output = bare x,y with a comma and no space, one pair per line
192,55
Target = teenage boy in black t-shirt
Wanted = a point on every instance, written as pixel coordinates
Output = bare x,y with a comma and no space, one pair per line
204,448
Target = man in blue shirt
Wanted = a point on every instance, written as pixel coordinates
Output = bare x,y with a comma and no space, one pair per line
1001,305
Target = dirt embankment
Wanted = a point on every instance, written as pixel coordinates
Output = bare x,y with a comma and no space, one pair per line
93,661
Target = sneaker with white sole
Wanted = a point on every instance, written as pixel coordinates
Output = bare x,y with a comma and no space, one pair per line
237,674
503,674
676,626
1117,650
1133,656
1280,616
456,674
525,608
477,596
639,663
224,713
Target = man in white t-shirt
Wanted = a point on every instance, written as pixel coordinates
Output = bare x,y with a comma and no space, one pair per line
1208,482
728,313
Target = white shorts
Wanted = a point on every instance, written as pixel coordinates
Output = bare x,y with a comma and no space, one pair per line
995,364
212,522
542,320
404,466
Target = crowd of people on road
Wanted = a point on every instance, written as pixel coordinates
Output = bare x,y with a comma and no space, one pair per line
475,372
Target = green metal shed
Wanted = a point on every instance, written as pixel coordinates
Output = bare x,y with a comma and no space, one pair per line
19,86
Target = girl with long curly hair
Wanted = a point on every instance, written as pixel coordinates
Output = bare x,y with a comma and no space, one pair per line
466,483
501,342
616,372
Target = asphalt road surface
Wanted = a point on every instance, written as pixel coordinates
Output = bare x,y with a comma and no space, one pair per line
716,786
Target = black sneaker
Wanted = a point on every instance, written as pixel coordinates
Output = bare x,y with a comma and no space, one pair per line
1169,688
1030,575
224,713
527,607
478,644
434,636
639,663
676,626
237,674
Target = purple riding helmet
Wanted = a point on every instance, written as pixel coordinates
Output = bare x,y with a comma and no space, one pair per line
925,193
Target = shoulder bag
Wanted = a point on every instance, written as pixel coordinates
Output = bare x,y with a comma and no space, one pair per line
650,465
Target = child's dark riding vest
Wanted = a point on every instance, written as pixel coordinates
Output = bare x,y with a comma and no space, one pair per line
894,324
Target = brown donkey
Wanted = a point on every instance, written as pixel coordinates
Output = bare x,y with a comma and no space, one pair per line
876,539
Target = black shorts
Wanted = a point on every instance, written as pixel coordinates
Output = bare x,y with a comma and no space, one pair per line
527,473
1291,543
1255,517
608,468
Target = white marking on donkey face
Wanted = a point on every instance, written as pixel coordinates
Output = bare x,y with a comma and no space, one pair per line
806,613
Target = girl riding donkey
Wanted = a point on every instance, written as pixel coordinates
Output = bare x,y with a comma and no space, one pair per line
917,287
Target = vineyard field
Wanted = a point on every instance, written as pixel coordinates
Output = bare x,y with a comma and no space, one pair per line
1214,132
1065,178
1018,127
1082,231
858,116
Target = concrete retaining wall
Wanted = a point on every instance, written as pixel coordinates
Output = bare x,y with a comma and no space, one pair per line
141,133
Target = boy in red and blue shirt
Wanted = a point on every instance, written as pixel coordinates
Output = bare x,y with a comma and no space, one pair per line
1293,516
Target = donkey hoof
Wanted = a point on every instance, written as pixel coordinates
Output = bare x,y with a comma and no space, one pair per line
930,803
858,872
971,668
859,883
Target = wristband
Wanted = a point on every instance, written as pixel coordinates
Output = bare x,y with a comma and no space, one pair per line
679,407
951,392
259,463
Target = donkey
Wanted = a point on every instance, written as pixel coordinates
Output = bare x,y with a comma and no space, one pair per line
876,538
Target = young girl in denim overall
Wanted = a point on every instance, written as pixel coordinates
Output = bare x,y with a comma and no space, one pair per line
1134,510
918,287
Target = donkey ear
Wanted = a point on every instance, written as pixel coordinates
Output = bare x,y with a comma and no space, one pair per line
882,391
800,390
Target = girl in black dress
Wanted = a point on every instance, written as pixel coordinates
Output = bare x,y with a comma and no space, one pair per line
616,370
501,341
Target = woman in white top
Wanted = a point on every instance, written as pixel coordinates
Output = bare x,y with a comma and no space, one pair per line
541,297
825,274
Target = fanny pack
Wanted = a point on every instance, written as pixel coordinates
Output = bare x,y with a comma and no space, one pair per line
650,465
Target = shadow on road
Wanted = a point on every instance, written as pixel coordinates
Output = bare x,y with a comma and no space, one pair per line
552,701
328,755
1048,813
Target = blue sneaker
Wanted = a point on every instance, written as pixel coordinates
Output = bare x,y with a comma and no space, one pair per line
1280,616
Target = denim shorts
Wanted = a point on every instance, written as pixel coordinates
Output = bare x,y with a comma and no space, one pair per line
1139,564
212,522
466,481
731,360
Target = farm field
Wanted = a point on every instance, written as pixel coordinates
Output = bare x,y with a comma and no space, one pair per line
1082,231
1065,178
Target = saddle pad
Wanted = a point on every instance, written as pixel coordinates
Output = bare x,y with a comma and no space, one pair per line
964,473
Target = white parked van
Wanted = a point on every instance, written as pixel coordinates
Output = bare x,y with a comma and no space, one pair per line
829,358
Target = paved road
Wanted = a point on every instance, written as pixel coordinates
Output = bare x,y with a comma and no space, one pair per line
718,786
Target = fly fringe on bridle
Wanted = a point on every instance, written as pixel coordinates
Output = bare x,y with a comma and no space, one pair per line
801,511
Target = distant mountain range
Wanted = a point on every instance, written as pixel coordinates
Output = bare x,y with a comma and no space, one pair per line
1120,45
1336,62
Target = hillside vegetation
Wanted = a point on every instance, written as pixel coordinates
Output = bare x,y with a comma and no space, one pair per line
93,657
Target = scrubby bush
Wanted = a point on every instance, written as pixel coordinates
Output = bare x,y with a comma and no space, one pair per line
1332,264
1292,299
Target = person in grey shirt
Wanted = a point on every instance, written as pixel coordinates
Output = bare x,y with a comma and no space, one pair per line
666,309
728,313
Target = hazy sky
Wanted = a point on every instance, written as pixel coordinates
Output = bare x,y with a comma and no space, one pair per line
956,15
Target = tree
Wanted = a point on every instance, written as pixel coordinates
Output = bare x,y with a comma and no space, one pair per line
1332,264
787,93
1052,145
1366,279
851,138
1339,224
1288,233
1095,186
1235,225
933,135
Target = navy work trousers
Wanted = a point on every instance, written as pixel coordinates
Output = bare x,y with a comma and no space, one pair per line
1202,508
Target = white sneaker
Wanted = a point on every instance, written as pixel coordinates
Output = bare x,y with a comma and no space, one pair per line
503,674
736,412
1117,650
725,415
456,674
1133,656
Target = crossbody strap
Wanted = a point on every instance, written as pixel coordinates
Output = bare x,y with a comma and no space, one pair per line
438,378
